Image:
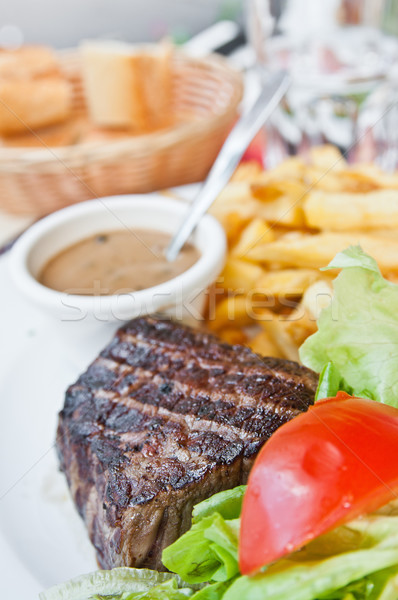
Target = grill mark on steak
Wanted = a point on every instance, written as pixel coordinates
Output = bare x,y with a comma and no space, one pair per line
192,392
163,418
206,370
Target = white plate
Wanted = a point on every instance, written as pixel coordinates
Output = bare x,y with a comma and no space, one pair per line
42,539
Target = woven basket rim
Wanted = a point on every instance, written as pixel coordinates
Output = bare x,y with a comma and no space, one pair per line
21,158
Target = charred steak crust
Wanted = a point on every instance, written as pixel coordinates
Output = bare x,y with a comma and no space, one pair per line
162,419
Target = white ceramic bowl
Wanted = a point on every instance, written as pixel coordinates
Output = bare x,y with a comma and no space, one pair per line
181,297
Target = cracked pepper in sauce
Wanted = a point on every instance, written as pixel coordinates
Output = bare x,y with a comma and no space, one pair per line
115,262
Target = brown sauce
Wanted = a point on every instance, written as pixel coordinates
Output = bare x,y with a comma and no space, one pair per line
115,262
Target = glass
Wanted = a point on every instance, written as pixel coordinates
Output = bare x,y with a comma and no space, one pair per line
378,128
337,56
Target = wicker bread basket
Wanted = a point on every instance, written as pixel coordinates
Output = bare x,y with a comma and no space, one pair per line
43,179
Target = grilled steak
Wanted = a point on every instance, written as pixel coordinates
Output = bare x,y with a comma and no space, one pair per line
162,419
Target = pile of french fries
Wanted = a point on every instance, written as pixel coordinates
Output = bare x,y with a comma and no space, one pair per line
282,226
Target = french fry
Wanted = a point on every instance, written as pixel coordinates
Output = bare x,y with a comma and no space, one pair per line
292,168
358,182
281,337
287,282
262,344
277,189
349,211
298,326
327,157
234,208
279,203
316,251
317,297
232,335
284,211
282,226
289,331
350,181
267,192
390,234
233,195
233,224
256,232
282,201
231,311
383,179
247,171
319,179
293,329
240,275
393,277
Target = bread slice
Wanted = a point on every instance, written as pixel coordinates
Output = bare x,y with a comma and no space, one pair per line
33,92
69,133
32,103
128,86
27,62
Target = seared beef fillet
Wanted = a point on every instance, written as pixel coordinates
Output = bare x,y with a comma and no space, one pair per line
165,417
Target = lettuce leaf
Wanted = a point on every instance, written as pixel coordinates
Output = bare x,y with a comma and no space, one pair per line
312,582
214,591
358,561
358,332
385,585
382,585
331,382
121,584
228,504
207,552
169,589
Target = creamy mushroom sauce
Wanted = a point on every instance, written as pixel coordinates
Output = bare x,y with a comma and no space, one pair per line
115,262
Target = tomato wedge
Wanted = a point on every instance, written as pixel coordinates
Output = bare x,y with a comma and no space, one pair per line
320,470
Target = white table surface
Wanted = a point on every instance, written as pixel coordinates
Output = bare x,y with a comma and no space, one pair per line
11,225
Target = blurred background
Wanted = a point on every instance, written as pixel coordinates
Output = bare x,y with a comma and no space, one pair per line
342,56
132,20
64,24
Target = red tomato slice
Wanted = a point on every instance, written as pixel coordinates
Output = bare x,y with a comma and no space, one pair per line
320,470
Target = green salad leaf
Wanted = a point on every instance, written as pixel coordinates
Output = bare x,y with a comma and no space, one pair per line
214,591
330,382
358,561
312,582
169,589
382,585
385,585
228,504
357,333
207,552
121,584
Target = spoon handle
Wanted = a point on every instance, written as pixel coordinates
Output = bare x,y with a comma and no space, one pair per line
228,159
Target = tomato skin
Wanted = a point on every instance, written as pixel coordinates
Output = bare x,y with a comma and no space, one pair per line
320,470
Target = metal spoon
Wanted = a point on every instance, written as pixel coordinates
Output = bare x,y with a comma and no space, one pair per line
228,159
